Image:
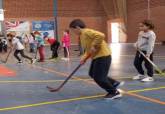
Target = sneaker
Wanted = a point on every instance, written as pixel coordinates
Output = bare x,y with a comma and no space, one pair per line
20,61
110,96
65,59
118,84
147,79
138,77
33,61
40,60
51,58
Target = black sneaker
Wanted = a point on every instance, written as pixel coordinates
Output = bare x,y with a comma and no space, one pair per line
20,62
118,84
110,96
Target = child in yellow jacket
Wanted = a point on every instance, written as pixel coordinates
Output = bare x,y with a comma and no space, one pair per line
93,43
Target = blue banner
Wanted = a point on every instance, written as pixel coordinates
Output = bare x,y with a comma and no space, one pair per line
42,25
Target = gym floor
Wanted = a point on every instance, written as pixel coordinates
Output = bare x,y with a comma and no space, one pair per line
23,87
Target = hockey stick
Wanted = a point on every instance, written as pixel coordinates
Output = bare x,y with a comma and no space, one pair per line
154,65
7,56
66,80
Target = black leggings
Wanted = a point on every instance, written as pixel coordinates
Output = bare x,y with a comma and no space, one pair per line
66,52
139,59
99,72
22,54
54,48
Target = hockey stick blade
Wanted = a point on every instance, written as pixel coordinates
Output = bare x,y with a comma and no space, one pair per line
51,89
154,65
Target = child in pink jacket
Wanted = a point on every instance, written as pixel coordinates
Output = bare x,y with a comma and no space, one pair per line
66,44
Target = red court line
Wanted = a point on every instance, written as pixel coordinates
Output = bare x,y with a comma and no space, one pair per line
145,98
4,71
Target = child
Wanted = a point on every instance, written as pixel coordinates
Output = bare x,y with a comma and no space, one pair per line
4,42
19,48
66,44
40,46
145,43
1,45
54,45
93,43
31,43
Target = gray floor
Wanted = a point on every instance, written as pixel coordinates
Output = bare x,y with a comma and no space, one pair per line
26,92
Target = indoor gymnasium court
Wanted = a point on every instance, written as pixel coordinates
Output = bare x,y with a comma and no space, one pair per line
82,57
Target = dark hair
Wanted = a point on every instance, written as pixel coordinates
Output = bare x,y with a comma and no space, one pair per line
148,23
37,32
32,34
77,23
10,35
67,31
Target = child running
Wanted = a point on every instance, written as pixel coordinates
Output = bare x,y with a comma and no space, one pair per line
145,43
19,48
93,42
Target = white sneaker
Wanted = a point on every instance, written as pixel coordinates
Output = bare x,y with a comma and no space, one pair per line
33,61
138,77
65,59
147,79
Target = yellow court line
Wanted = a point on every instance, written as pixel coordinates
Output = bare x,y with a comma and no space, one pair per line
56,72
49,81
89,97
65,75
40,81
157,56
147,89
53,71
131,94
145,98
51,102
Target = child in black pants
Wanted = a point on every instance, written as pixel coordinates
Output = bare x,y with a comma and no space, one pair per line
3,45
19,48
54,45
93,43
145,44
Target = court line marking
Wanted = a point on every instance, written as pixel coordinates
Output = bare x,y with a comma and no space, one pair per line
156,56
135,95
131,93
7,72
50,81
62,74
40,81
